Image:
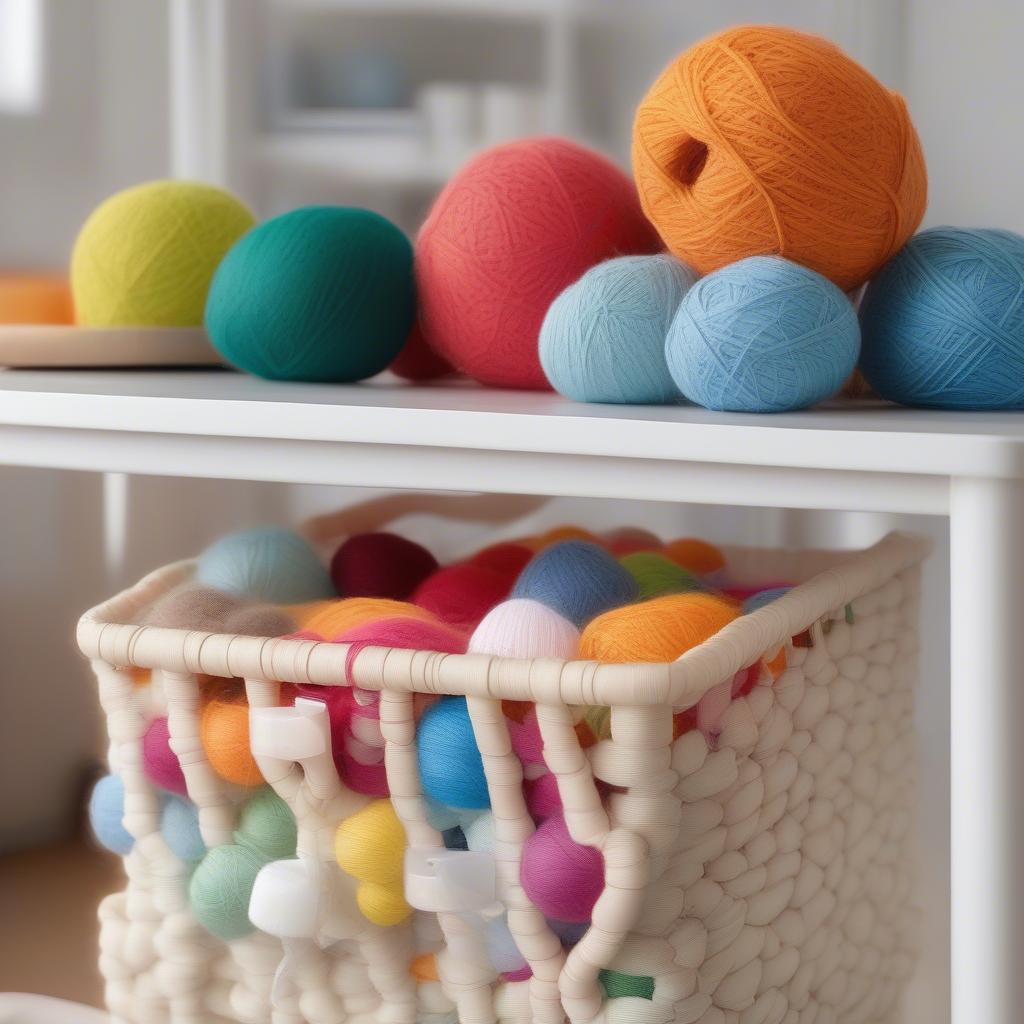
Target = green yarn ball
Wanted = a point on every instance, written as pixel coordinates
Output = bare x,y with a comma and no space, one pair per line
323,293
220,888
267,826
656,575
616,984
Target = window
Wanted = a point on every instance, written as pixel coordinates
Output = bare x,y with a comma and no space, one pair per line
21,56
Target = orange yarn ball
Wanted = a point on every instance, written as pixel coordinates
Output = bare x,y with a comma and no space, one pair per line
696,555
329,619
35,299
658,630
224,730
763,140
567,532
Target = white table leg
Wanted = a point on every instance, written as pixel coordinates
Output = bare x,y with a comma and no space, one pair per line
987,756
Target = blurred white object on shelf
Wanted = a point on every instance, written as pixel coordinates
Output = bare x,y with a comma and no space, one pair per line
509,112
451,116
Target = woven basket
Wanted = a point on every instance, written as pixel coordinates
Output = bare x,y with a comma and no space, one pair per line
757,866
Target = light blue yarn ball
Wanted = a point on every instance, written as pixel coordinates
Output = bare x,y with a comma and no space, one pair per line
943,321
451,769
763,597
106,812
179,825
603,338
267,564
577,579
445,818
762,335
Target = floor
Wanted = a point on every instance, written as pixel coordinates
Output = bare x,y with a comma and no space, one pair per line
48,926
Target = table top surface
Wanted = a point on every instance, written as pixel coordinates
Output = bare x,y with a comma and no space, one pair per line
861,435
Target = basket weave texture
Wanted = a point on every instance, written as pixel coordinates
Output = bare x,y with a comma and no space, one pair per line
757,865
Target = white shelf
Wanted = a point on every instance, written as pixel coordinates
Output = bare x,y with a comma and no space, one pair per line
460,436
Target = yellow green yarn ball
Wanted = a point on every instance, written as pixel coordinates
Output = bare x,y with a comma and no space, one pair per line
145,256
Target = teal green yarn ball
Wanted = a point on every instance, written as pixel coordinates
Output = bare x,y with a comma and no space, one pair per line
762,335
323,293
266,564
603,338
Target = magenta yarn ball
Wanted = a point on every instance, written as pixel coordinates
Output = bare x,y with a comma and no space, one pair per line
542,796
562,877
159,762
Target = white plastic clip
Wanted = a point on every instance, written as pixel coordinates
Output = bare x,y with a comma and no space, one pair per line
286,898
455,881
290,733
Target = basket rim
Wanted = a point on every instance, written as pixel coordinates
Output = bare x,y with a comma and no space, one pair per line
102,635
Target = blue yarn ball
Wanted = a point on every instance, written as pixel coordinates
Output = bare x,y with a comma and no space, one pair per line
762,335
763,597
577,579
943,321
179,825
451,769
603,338
448,819
106,812
267,564
570,932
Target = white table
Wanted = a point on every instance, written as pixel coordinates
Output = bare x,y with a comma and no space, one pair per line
967,466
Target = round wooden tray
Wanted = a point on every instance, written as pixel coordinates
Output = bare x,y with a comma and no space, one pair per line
38,345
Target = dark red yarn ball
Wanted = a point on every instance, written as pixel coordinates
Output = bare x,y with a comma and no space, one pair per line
417,361
380,565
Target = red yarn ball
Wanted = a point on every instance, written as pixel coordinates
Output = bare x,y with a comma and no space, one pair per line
462,594
506,559
380,565
628,539
513,228
417,361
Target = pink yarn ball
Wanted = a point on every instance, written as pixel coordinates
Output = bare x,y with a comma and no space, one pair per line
356,741
741,591
561,877
513,228
159,762
524,628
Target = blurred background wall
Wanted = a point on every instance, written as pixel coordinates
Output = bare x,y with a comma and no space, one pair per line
375,102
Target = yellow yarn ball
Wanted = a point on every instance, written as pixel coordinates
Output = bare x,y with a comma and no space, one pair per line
146,255
370,846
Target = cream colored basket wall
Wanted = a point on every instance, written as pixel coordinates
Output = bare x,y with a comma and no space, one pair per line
757,867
